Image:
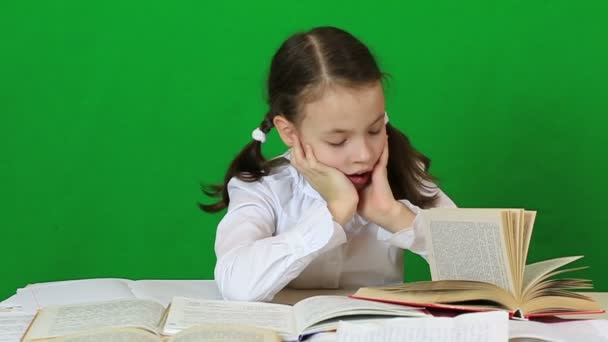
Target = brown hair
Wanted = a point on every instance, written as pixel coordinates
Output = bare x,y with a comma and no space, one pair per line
301,68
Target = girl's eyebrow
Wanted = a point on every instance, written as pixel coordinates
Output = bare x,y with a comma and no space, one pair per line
380,117
340,130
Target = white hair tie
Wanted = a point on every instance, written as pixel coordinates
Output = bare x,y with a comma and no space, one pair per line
258,135
385,118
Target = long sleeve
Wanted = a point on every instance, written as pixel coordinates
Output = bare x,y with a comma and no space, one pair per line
413,238
254,262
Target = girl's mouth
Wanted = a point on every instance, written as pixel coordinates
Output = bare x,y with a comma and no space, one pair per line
360,180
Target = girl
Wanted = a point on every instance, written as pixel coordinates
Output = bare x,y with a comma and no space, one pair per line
338,208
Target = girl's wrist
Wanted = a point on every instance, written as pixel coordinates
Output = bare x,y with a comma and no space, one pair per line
399,218
340,214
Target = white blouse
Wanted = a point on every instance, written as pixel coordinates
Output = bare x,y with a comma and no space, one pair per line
278,232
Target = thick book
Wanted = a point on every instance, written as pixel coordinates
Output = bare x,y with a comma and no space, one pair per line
477,259
123,320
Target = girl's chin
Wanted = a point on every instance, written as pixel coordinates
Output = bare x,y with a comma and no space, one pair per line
359,188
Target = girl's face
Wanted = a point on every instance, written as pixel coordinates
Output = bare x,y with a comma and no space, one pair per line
346,129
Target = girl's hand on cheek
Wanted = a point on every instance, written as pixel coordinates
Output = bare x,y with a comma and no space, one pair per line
377,202
335,188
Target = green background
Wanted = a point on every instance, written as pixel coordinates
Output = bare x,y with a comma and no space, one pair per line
112,112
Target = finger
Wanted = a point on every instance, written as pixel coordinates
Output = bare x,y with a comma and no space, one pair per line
380,168
298,154
314,164
310,157
384,156
302,148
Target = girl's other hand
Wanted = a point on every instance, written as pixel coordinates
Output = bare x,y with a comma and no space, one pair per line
335,188
377,203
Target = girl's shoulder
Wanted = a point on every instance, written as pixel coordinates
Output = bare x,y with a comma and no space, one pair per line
282,181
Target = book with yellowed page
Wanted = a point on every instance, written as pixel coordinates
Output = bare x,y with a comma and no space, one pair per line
185,318
130,320
477,259
197,333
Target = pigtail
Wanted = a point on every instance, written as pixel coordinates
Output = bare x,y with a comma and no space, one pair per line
408,170
249,166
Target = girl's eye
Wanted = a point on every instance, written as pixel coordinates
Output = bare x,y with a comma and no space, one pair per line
375,132
337,144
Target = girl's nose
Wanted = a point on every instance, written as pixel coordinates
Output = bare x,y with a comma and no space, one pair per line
362,153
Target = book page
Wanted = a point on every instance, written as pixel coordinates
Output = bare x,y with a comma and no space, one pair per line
530,217
162,291
451,293
186,312
76,291
68,319
473,327
316,309
22,301
535,272
514,247
575,330
225,333
467,244
13,325
112,335
292,296
522,231
561,301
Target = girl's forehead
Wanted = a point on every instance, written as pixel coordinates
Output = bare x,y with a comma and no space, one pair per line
345,107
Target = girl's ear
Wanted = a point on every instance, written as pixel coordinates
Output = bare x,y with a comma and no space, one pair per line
286,129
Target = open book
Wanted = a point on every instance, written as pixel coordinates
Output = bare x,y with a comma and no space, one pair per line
478,262
36,296
145,317
206,332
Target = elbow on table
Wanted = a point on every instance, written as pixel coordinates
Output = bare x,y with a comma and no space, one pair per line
241,292
240,288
